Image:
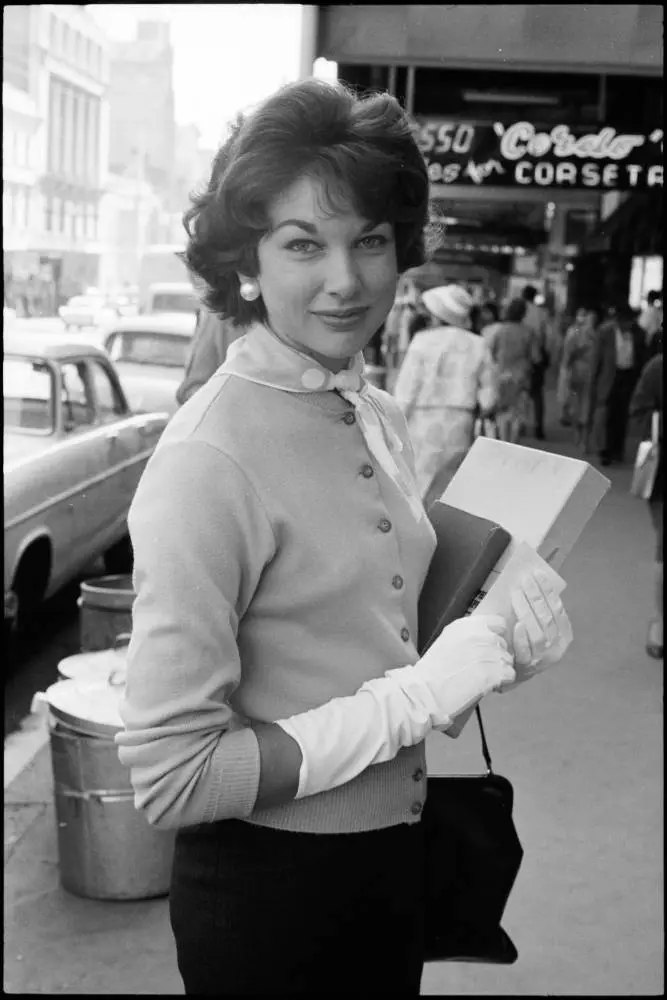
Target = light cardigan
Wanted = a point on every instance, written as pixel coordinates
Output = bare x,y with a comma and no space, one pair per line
276,567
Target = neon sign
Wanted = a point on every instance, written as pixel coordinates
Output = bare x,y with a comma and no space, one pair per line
523,155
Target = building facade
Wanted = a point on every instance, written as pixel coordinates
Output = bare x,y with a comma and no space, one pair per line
55,144
538,123
141,94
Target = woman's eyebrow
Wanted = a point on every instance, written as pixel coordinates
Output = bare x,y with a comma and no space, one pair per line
309,227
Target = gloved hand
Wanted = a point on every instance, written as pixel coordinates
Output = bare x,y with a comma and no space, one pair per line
341,738
543,631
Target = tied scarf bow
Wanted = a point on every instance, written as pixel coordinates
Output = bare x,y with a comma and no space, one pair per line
261,357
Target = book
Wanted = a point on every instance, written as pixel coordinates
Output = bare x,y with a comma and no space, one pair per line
468,548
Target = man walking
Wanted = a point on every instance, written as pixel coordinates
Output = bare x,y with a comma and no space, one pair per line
535,320
209,349
617,359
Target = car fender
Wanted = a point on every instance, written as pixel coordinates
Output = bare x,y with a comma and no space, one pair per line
35,534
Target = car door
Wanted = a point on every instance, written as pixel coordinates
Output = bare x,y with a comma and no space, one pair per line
132,437
122,439
87,456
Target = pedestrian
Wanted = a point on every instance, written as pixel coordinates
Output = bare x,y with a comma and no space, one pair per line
275,705
483,315
210,343
510,343
535,320
616,361
447,377
647,400
651,316
575,373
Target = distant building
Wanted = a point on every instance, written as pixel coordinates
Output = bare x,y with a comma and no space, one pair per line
193,164
55,147
141,96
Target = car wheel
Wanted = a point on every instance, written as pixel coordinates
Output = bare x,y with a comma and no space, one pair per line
119,559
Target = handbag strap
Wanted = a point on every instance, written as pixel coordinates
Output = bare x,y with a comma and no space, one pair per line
485,745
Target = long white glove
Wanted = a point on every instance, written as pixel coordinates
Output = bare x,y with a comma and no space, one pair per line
543,631
341,738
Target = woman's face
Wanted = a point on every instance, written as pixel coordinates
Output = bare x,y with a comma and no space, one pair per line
327,281
582,317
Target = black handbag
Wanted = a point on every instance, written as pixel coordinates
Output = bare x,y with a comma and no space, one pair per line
472,858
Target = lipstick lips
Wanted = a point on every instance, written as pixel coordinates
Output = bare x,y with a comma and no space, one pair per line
342,314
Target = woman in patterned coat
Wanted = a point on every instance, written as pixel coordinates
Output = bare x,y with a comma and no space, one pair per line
446,379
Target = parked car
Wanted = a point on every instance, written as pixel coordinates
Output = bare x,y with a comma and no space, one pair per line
87,310
73,455
171,297
150,354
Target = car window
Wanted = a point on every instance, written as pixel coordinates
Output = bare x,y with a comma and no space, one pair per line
145,347
174,302
110,405
28,390
76,398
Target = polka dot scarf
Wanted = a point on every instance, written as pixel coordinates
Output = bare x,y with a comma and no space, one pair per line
259,356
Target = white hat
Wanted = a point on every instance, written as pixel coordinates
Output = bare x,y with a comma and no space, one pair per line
449,303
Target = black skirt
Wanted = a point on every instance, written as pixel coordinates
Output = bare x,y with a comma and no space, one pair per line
257,910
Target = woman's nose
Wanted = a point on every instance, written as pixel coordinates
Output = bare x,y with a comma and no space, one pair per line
342,278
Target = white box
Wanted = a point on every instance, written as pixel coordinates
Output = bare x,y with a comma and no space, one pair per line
543,499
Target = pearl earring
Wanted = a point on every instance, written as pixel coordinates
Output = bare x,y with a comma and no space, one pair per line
249,290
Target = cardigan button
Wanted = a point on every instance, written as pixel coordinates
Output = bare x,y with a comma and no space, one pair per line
349,418
367,471
405,634
418,774
397,582
384,525
416,808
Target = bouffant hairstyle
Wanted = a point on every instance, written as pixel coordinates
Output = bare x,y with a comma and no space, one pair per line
515,311
361,149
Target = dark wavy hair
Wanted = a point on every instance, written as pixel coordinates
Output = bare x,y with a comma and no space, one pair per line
361,149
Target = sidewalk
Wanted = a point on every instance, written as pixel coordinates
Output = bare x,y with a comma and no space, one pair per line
583,748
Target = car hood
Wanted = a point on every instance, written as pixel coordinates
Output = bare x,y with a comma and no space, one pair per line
18,447
150,387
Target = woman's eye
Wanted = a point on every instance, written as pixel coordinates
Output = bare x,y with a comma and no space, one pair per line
374,242
302,246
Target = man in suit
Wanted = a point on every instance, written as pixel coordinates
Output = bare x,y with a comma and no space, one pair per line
209,349
535,320
617,359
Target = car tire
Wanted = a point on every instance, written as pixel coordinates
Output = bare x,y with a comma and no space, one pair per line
119,559
28,588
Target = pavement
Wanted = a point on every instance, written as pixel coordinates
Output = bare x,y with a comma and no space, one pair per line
583,747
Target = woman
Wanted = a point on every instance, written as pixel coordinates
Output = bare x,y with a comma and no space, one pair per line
510,344
647,400
276,707
446,377
575,373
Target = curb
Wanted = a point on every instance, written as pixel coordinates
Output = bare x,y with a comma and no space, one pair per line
22,747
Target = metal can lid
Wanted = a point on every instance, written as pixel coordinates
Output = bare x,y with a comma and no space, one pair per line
108,592
94,664
89,705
